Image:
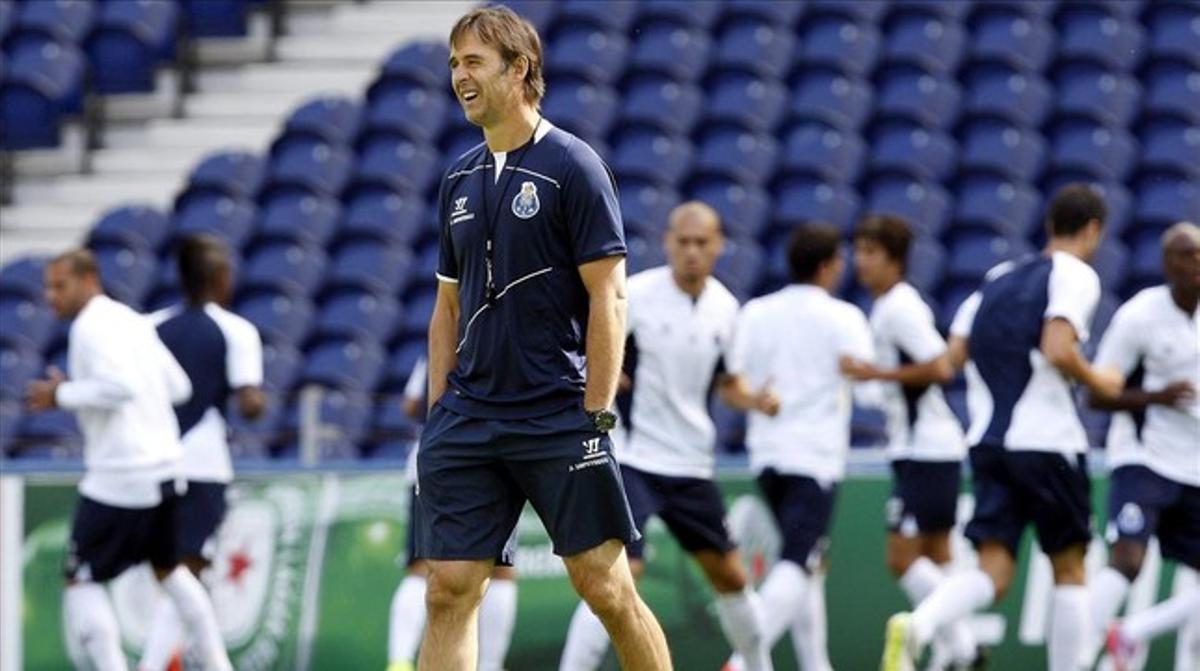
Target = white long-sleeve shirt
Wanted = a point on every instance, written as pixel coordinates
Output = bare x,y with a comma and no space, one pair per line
122,385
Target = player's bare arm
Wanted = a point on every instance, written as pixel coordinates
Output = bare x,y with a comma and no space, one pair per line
443,328
1060,347
938,370
604,280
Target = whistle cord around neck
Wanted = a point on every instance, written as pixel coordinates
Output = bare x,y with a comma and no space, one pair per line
490,218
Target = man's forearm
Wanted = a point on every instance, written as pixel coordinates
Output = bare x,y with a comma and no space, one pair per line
937,371
605,348
735,393
1130,400
442,357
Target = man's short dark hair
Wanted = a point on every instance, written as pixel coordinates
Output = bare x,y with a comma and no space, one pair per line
201,258
1072,208
890,232
810,246
81,262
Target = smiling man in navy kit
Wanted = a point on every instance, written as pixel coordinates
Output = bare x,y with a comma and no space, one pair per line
525,349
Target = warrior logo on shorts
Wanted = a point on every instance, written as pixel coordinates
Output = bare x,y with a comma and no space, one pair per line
1130,520
526,203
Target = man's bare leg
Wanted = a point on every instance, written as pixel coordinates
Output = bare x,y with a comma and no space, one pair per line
452,597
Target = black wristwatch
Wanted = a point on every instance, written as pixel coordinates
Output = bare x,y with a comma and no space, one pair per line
604,420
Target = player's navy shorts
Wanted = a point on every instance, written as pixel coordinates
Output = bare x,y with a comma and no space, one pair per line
475,475
803,509
505,558
692,509
1014,488
1142,503
200,513
106,540
924,496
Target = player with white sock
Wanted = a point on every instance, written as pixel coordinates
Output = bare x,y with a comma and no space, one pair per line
1153,444
122,385
679,328
1027,459
785,367
926,443
406,618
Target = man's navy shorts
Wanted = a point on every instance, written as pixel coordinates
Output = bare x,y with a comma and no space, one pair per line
692,508
106,540
924,496
200,513
1014,488
1142,503
475,475
803,509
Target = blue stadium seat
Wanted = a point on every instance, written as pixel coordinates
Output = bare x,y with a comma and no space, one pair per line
345,416
614,15
424,273
253,439
946,11
832,98
996,204
1144,263
397,163
803,200
217,18
57,429
662,103
1087,91
828,153
1008,36
592,53
335,119
934,44
973,254
424,63
391,428
8,16
580,107
741,267
302,218
646,206
237,174
1173,89
925,205
42,85
1170,145
1111,263
358,315
745,209
418,310
287,267
126,273
282,319
677,52
400,364
413,111
25,324
132,38
22,278
755,47
651,155
281,366
699,14
10,411
1106,154
1092,34
784,14
926,264
65,21
906,148
1174,32
1163,199
910,93
839,43
861,11
643,254
391,217
995,90
350,365
139,226
752,103
537,12
310,167
991,145
748,158
369,266
230,219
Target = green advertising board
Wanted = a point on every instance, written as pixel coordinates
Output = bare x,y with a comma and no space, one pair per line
307,564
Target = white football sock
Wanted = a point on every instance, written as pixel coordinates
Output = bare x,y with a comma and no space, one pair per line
497,615
196,612
406,622
90,625
1162,617
165,636
1106,592
809,629
783,594
919,581
956,597
741,617
1068,627
587,641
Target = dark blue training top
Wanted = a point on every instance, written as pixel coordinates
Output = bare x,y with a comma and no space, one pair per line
553,208
199,345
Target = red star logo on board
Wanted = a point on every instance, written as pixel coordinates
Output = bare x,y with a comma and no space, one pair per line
239,563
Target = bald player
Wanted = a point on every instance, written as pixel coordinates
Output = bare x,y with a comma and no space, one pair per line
680,325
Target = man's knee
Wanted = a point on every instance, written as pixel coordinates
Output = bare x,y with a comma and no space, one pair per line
998,563
1068,565
1126,558
901,553
602,578
454,585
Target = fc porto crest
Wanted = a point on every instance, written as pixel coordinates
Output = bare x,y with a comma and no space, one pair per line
526,203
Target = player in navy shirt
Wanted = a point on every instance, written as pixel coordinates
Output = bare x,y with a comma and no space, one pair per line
525,348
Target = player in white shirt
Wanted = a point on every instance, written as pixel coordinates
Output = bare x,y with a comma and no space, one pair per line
221,353
122,383
1028,444
785,368
679,327
1153,444
926,444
